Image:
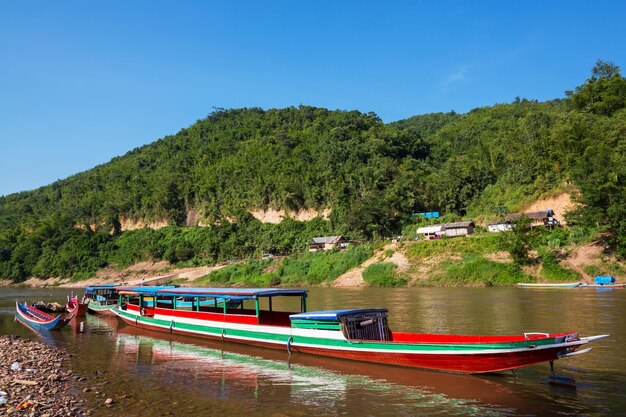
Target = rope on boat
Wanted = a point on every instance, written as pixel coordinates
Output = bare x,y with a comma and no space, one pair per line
223,332
171,325
289,344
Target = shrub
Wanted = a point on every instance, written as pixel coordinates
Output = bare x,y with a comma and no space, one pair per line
478,271
553,271
383,274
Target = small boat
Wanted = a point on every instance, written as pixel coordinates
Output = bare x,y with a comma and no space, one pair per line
603,281
101,299
616,285
75,307
548,284
37,319
355,334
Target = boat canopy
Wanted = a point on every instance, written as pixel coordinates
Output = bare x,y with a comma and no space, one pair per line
225,293
334,315
101,287
148,290
604,279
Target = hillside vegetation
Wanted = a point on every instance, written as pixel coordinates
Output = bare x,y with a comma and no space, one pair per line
370,174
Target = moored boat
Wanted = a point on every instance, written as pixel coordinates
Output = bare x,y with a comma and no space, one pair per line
37,319
75,307
548,284
357,334
616,285
101,299
603,281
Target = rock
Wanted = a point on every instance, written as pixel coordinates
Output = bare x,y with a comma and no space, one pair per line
16,366
108,402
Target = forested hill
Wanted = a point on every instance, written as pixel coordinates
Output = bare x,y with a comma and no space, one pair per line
370,174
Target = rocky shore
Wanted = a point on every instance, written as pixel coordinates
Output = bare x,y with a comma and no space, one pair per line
34,382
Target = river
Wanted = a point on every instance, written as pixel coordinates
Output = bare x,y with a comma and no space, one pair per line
163,375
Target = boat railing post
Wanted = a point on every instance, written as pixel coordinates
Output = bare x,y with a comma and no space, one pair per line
224,302
197,301
174,302
256,306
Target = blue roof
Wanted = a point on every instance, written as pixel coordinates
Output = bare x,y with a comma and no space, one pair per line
230,293
102,287
333,315
145,290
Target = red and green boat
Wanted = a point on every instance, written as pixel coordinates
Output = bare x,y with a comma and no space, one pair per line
101,299
247,316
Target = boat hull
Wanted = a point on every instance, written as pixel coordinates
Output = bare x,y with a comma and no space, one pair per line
76,308
38,320
95,307
467,358
602,286
548,285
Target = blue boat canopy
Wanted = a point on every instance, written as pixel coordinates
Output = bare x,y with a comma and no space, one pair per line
333,315
148,290
102,287
226,293
604,279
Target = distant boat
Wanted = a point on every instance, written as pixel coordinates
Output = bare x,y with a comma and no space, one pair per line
548,284
37,319
585,285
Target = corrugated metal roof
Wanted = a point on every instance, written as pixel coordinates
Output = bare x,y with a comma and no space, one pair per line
457,225
429,229
533,215
326,239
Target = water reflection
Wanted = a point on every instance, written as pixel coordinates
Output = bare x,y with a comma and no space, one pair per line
180,376
227,375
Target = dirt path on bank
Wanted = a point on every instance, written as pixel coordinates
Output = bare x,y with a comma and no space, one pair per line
584,255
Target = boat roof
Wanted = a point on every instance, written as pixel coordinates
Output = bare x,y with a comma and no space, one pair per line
240,293
333,315
102,287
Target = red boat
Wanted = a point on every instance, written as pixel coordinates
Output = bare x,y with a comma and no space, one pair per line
357,334
75,307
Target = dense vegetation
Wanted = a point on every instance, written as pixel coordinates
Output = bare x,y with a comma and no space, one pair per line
371,174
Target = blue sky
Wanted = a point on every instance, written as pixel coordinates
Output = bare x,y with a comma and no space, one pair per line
82,82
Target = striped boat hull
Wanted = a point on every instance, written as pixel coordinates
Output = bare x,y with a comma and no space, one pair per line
495,354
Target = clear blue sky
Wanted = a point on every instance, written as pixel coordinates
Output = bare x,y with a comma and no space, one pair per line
84,81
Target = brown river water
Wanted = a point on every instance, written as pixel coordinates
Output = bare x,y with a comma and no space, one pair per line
164,375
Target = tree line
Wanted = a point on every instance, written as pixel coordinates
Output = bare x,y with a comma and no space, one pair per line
371,174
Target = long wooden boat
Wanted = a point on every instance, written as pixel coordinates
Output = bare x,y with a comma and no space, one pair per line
616,285
102,299
548,284
37,319
357,334
75,307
